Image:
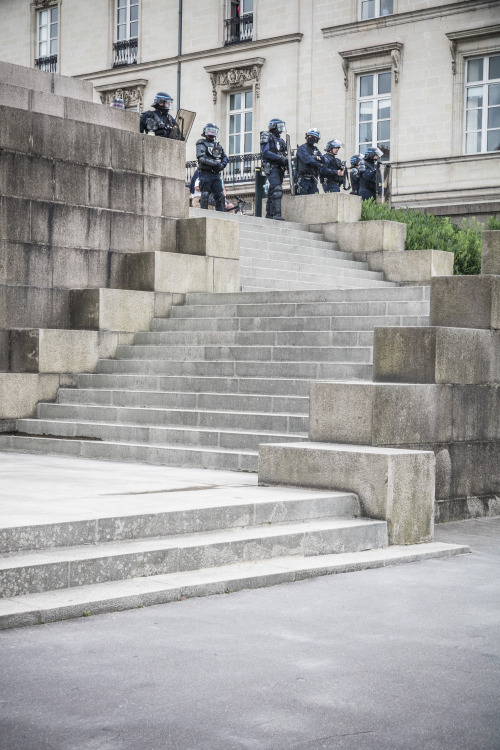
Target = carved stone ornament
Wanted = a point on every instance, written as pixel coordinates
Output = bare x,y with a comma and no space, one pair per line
235,78
39,4
396,63
131,95
377,52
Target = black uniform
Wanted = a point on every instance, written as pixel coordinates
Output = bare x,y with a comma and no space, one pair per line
367,178
309,161
355,180
211,161
274,163
330,180
157,120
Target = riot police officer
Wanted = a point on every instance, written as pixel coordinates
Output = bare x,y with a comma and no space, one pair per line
158,120
355,160
368,173
211,162
309,161
332,170
274,163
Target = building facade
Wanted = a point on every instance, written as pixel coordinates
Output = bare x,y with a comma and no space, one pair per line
418,78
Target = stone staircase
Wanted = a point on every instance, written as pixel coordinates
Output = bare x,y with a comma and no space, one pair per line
220,376
287,256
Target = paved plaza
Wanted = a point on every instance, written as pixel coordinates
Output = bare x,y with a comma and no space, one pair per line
388,659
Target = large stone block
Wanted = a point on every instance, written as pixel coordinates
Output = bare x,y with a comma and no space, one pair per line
20,393
65,225
164,157
490,253
30,78
466,302
436,355
14,96
322,208
14,219
175,200
12,136
169,272
225,275
410,267
30,307
73,141
380,414
89,111
111,309
395,485
367,236
209,236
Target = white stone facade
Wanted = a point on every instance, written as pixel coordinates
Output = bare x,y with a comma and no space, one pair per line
302,63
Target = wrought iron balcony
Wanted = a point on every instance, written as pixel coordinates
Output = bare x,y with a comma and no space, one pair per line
47,63
239,29
240,169
125,52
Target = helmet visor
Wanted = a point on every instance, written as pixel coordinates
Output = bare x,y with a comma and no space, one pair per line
212,130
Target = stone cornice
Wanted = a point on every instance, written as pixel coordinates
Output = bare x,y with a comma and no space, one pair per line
248,63
215,52
410,17
227,76
480,33
393,49
446,160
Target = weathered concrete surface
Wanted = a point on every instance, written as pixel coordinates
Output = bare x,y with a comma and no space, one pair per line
466,302
490,253
210,237
322,208
411,266
366,237
111,309
48,83
394,485
302,648
436,355
180,273
20,392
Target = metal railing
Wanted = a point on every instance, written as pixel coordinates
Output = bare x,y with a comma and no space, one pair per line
125,52
239,29
47,63
240,169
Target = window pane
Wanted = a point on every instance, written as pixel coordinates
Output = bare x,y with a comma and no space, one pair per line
134,12
367,9
475,119
384,83
53,30
248,99
494,117
235,101
122,3
386,7
248,121
363,147
365,111
42,49
386,150
134,30
384,130
365,132
53,14
235,124
247,6
53,47
495,67
43,33
122,15
384,109
248,143
366,85
494,94
234,144
122,33
494,140
474,97
473,143
44,18
475,70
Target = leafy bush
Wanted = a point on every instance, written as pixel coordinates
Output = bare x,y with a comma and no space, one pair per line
493,223
429,232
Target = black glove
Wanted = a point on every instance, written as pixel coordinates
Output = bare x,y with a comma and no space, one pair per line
283,161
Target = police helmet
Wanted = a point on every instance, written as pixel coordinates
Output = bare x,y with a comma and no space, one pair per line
163,99
373,152
210,130
356,159
118,103
276,124
313,134
333,144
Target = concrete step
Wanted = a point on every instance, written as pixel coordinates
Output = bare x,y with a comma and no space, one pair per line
197,384
267,283
300,309
240,353
195,417
33,609
386,294
185,436
302,259
310,273
282,323
37,571
239,402
160,455
115,518
232,368
253,222
254,338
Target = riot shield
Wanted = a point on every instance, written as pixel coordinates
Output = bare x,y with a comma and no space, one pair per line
183,124
290,165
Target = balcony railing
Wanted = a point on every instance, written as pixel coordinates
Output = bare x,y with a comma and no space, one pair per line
47,63
240,169
239,29
125,52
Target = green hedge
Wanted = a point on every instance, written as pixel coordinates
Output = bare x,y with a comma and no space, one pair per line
493,223
429,232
